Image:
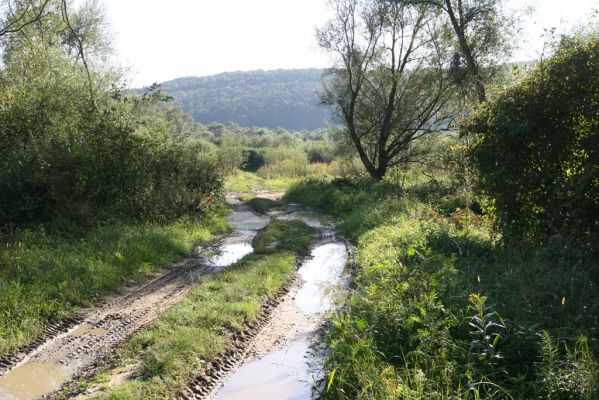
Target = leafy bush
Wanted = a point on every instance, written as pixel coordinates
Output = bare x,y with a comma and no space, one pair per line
62,156
441,310
537,149
320,152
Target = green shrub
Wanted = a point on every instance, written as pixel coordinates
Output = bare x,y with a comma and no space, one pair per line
537,149
61,157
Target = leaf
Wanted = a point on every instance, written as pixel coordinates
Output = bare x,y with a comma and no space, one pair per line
331,377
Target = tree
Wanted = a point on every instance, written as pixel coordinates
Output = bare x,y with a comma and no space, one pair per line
18,14
479,32
390,83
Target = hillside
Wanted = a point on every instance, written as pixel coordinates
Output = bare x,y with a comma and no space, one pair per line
280,98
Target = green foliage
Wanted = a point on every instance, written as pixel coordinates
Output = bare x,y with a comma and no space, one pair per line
575,376
272,99
321,152
537,149
244,182
46,276
253,161
73,146
441,310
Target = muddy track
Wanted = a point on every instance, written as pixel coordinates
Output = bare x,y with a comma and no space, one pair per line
280,324
77,345
50,331
236,352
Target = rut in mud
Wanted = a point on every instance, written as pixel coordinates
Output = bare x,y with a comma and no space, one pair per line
282,357
74,349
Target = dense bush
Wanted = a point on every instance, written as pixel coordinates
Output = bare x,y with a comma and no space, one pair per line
441,310
64,155
537,149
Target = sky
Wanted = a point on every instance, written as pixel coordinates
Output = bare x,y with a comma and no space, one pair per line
157,40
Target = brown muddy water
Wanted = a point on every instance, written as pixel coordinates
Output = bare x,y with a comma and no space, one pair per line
83,329
283,374
32,380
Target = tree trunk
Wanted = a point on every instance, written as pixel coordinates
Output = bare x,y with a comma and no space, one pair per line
467,52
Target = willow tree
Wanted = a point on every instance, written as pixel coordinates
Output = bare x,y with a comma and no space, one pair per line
479,30
390,83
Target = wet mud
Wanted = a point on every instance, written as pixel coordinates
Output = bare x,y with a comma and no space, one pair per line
282,357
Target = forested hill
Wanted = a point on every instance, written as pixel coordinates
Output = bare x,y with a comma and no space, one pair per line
280,98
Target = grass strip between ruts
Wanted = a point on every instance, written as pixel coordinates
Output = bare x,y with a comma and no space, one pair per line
174,349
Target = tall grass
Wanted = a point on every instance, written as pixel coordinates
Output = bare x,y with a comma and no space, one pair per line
443,310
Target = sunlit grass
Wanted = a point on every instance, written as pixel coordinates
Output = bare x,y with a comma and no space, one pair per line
44,277
243,182
174,348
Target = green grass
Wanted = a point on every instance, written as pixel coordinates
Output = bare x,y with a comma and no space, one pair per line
442,310
173,349
244,182
262,205
45,277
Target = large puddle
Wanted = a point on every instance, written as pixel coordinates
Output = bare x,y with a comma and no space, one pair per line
284,374
32,381
291,373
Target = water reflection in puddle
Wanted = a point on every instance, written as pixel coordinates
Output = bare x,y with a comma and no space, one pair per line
245,224
283,374
32,381
321,274
312,219
231,253
247,221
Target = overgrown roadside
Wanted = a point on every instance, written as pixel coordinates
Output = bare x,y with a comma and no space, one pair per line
441,310
163,358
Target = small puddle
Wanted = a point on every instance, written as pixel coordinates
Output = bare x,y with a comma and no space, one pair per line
32,381
322,275
230,254
238,245
83,329
285,374
247,221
